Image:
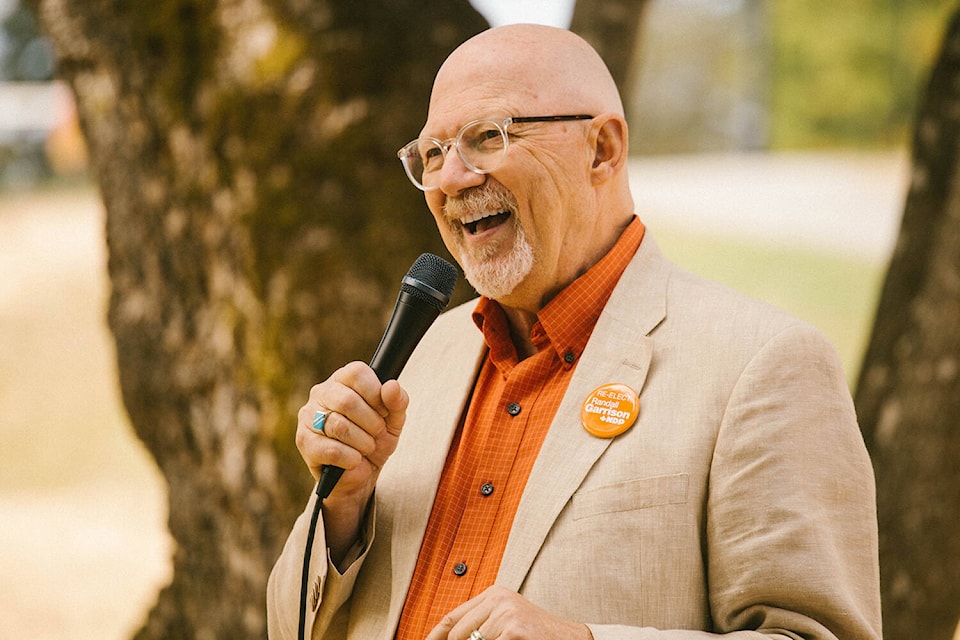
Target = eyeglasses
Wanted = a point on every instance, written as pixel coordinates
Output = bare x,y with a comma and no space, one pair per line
481,145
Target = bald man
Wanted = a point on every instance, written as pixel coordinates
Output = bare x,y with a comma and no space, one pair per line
602,445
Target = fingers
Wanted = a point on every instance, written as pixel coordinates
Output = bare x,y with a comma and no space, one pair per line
361,420
499,613
465,619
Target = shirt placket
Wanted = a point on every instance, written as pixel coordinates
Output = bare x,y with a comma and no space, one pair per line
485,488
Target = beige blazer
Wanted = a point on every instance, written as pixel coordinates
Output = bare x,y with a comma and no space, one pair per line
741,499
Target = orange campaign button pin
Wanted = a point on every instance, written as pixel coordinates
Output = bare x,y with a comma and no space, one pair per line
610,410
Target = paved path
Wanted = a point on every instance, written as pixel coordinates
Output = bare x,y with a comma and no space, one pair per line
82,508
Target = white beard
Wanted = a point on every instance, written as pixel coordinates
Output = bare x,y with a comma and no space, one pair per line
492,275
497,277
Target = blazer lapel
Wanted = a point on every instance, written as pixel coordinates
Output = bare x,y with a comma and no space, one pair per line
619,350
449,377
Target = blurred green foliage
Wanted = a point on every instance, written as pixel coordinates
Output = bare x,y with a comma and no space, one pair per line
849,72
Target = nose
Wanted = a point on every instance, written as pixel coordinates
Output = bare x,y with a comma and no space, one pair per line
456,177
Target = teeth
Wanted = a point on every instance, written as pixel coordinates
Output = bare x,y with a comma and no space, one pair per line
474,217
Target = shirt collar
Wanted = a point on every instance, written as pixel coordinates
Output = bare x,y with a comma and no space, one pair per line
566,322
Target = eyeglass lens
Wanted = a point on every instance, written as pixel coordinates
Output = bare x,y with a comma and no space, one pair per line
481,146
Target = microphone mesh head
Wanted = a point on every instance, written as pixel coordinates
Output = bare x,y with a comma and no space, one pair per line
436,273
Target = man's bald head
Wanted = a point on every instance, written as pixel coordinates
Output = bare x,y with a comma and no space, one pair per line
543,68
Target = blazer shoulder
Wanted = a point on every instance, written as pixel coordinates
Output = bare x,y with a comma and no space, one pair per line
710,315
661,289
702,297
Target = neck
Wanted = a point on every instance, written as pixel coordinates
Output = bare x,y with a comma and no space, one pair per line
521,323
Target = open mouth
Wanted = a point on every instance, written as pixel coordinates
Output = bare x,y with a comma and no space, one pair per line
479,222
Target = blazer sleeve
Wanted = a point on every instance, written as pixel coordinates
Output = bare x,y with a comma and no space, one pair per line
328,590
791,529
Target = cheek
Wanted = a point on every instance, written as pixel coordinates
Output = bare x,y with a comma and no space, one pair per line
542,191
435,202
435,206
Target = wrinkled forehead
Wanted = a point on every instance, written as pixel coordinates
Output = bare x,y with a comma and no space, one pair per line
478,89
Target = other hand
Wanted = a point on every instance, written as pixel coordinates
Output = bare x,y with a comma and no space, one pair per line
501,614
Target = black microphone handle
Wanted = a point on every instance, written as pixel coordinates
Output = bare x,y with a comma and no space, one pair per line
410,320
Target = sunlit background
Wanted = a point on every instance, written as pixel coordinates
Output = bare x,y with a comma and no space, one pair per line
770,151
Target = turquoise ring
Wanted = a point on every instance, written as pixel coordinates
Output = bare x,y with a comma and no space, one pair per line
319,419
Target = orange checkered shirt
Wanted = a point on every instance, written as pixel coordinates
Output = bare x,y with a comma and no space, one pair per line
513,404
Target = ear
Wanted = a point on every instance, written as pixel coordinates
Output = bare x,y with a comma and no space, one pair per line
610,147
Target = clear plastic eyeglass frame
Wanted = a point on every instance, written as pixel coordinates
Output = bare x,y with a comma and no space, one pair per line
481,144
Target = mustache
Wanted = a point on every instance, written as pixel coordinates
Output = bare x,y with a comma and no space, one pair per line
489,197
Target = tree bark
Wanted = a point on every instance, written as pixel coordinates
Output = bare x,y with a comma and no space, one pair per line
908,396
258,225
613,28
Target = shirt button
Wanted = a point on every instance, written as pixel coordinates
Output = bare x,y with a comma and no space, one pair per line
569,357
486,489
513,408
459,568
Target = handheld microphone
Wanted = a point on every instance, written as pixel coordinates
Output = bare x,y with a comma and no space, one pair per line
423,295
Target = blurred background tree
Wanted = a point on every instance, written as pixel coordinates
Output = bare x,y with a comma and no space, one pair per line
258,226
850,73
613,27
908,394
790,74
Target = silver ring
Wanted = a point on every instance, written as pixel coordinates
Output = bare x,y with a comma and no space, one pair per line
476,635
319,419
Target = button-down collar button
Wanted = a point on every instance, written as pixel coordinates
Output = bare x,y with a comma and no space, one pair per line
569,357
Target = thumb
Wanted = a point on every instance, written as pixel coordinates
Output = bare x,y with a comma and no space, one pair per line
395,400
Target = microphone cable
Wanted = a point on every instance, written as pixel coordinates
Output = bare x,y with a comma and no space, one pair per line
305,576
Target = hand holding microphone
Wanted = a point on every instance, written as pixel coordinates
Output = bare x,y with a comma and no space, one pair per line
353,407
358,428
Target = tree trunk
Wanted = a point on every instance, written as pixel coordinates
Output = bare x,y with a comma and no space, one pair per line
908,396
258,225
613,28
